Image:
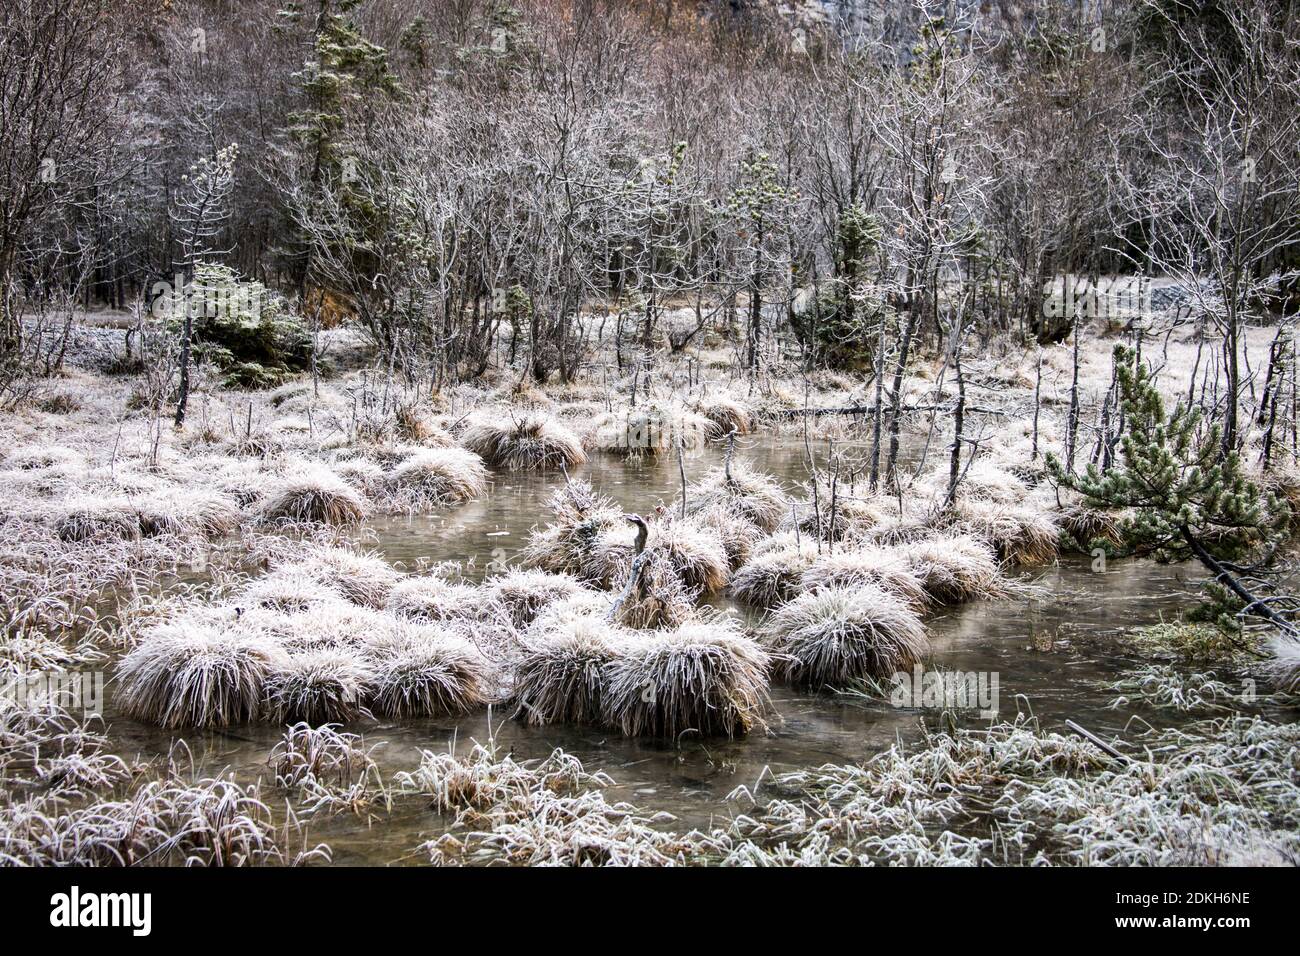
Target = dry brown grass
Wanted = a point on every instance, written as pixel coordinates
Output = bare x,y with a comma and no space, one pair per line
724,414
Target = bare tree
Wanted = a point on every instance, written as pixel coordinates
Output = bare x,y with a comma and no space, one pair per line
1226,187
58,83
199,213
931,109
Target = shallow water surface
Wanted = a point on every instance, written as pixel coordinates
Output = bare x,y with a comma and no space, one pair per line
1048,651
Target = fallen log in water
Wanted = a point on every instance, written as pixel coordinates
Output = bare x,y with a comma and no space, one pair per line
870,409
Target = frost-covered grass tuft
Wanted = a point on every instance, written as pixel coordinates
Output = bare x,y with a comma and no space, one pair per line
886,567
837,635
89,518
482,778
956,568
1163,686
563,672
773,574
587,537
724,414
430,598
1284,668
1021,534
425,672
197,674
322,685
322,756
525,442
313,494
362,578
192,512
693,550
168,822
522,594
551,813
747,495
703,676
436,477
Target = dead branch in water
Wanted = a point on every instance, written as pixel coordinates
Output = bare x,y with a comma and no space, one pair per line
1093,738
871,409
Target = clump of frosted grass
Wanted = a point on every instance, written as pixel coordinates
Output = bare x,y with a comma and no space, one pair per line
318,686
44,746
723,414
837,635
522,594
745,494
526,442
694,551
702,676
577,540
1021,534
436,477
563,672
475,782
327,769
773,574
955,568
313,494
190,673
430,598
1163,686
362,578
207,822
90,518
548,813
324,754
887,568
422,671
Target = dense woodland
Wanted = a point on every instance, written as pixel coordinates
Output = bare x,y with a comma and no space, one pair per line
473,180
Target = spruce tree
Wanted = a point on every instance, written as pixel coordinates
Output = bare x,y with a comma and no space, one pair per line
343,74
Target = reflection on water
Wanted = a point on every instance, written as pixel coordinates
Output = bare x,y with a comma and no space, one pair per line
1048,651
